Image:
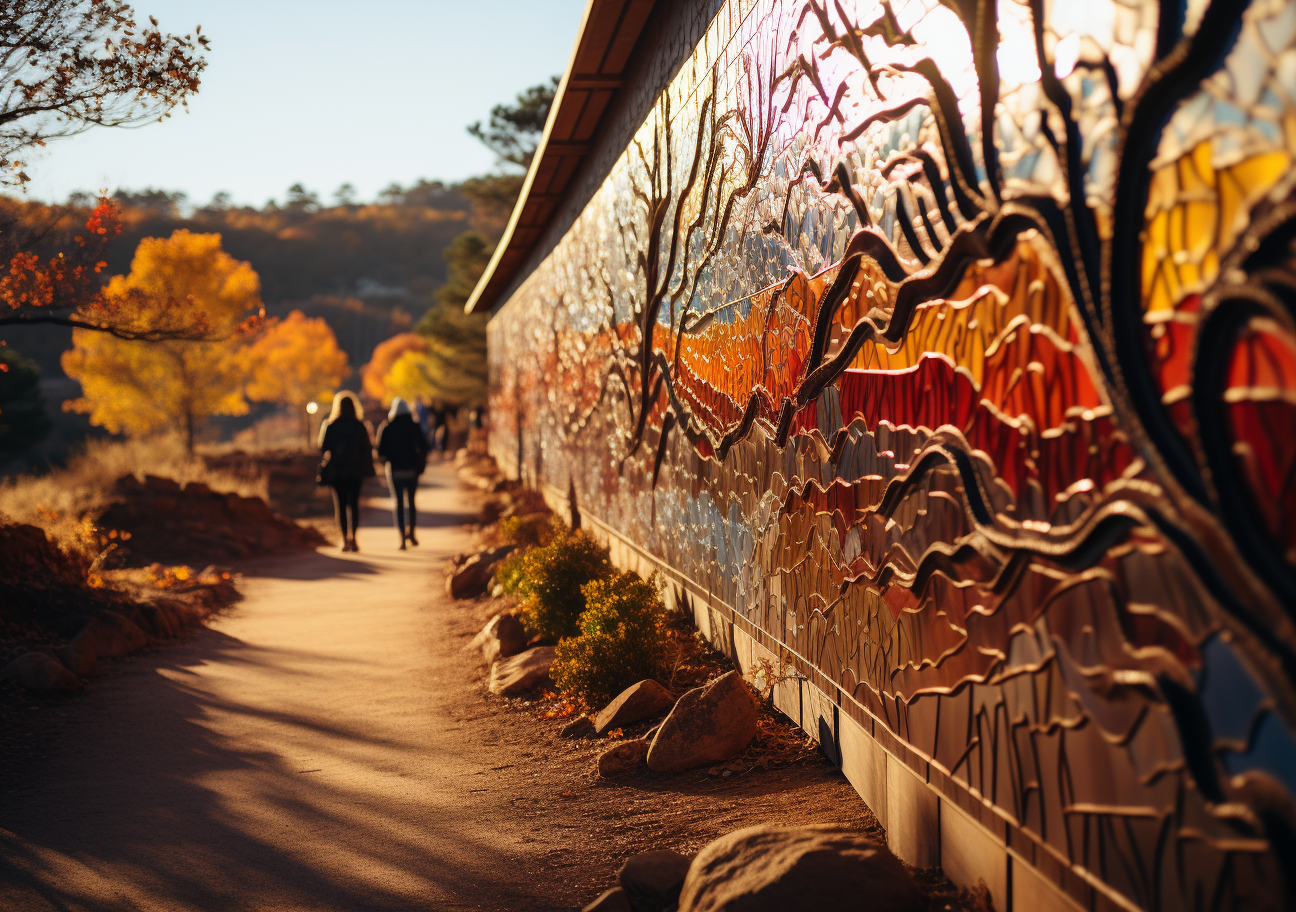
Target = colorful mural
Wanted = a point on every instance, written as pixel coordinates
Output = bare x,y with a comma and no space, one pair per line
953,347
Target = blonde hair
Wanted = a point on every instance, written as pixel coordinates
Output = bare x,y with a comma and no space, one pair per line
342,396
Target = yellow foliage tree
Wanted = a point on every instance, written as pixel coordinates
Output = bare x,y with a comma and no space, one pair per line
295,361
410,378
142,387
428,374
373,376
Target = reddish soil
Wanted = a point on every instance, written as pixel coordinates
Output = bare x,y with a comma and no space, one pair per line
782,778
195,525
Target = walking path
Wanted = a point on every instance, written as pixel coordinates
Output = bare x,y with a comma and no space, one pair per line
301,754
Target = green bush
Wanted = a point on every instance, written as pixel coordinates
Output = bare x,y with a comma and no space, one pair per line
551,581
622,640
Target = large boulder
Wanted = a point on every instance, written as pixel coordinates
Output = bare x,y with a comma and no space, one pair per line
42,674
622,758
503,636
652,880
782,869
634,704
107,635
470,578
515,675
708,724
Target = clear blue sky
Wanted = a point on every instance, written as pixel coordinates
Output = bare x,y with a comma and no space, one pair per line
323,92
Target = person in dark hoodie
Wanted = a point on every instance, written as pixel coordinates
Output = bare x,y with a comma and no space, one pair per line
346,461
402,444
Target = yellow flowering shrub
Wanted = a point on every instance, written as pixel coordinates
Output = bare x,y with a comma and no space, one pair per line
551,578
622,640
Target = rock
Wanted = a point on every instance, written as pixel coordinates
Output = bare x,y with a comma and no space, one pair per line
578,728
708,724
652,880
510,677
106,635
470,578
613,900
634,704
42,674
623,758
779,868
503,636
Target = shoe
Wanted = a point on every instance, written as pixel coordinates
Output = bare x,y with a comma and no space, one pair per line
412,540
402,544
354,546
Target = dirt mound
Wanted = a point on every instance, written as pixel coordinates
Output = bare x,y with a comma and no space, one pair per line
28,556
164,522
289,478
43,590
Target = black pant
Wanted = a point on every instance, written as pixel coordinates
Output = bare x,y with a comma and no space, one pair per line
346,499
403,491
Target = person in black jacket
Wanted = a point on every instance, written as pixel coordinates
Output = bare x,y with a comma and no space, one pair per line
402,444
346,461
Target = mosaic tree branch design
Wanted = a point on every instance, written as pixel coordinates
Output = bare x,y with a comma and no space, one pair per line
953,347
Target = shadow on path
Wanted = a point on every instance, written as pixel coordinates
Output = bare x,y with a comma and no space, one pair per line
298,756
435,490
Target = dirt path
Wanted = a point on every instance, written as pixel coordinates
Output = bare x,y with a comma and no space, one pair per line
327,745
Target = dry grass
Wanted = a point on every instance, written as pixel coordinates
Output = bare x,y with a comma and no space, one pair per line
58,500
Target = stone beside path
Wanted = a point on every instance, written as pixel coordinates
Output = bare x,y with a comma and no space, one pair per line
502,637
41,673
520,673
767,869
652,880
637,702
708,724
469,578
622,758
773,869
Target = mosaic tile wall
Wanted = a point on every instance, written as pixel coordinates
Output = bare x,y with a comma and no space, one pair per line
953,348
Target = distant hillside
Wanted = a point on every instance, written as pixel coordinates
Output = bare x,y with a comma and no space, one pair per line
386,253
368,270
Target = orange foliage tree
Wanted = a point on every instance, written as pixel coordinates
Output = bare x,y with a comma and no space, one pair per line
373,376
294,361
66,287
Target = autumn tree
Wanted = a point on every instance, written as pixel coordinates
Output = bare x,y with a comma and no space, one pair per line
66,65
295,361
53,274
373,376
436,375
141,387
62,287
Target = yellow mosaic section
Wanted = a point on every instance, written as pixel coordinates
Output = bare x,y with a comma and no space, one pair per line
1194,212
